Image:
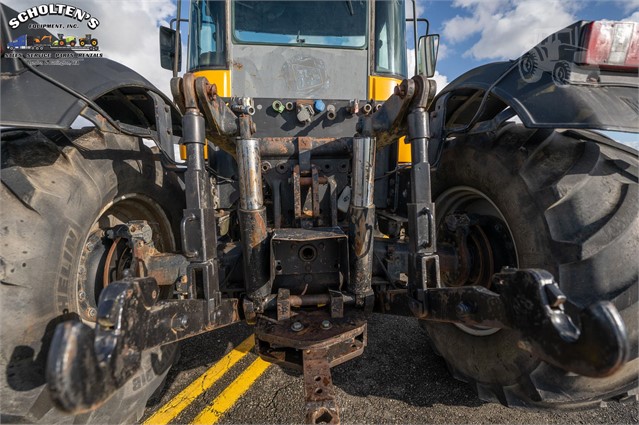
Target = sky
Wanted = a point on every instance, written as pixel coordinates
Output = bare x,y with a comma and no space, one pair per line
472,32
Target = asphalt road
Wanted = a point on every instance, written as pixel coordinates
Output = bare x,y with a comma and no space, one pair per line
398,379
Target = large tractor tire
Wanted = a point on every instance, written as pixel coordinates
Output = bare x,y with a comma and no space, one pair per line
567,202
60,191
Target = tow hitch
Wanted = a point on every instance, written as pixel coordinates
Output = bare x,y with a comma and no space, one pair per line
590,341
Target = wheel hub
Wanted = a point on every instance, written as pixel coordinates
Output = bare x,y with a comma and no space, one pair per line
474,242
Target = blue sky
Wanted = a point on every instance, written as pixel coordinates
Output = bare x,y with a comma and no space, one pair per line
467,47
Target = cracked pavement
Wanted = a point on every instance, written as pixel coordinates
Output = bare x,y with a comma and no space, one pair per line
398,379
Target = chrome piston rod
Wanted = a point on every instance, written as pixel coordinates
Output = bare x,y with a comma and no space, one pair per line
362,219
252,215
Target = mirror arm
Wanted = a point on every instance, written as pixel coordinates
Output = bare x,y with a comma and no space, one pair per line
415,35
178,19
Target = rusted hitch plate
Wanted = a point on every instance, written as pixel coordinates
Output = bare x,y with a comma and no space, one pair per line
314,342
318,388
283,342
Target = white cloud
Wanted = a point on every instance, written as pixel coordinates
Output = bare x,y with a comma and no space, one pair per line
507,28
128,33
634,17
441,80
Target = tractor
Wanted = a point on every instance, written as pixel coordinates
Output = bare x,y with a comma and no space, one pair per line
299,181
63,41
87,39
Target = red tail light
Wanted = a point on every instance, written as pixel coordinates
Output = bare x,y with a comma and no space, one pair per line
612,44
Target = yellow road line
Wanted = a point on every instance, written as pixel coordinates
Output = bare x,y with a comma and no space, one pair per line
231,394
170,410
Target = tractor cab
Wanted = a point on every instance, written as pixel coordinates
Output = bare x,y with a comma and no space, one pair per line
298,49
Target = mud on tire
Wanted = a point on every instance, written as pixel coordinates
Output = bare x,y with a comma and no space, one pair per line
571,203
58,189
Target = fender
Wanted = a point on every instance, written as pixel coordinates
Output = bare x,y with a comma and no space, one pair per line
540,101
28,100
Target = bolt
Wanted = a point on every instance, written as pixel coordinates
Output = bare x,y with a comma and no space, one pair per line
297,326
326,324
154,294
92,312
82,295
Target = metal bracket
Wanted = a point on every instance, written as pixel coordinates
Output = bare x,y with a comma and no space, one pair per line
318,388
531,302
165,268
86,366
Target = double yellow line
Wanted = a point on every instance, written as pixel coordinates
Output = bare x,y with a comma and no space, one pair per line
225,400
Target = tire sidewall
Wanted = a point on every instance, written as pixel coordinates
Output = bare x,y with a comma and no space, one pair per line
86,182
492,358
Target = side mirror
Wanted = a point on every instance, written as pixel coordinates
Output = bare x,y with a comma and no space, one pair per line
427,57
167,48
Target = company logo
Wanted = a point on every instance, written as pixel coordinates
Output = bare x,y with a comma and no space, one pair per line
55,9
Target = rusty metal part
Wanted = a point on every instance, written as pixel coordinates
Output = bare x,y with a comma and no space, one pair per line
254,235
361,230
303,218
321,407
283,304
85,365
531,302
473,246
106,275
276,188
315,193
308,181
345,339
222,125
389,122
332,185
334,299
309,261
146,261
274,147
362,220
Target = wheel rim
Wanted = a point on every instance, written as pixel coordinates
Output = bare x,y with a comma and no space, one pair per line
489,242
104,260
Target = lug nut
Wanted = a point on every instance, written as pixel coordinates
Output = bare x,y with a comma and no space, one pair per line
297,326
326,324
